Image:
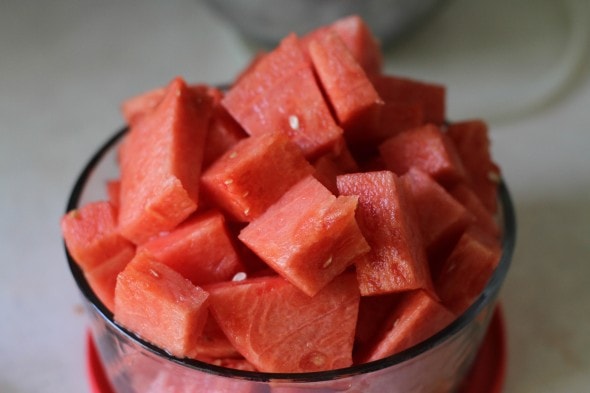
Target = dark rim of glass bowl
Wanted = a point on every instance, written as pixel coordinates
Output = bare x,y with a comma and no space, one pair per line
508,242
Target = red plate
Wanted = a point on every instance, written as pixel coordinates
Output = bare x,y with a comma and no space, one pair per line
486,376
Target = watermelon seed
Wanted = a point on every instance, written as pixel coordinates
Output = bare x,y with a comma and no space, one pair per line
327,263
233,154
246,211
240,276
228,182
154,273
294,122
244,195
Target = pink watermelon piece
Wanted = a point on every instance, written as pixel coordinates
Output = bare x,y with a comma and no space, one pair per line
91,235
430,96
416,317
349,90
281,94
160,164
397,259
278,328
213,344
426,148
373,312
136,107
309,236
114,192
224,132
467,270
200,249
254,174
149,291
359,40
103,278
441,218
483,217
473,146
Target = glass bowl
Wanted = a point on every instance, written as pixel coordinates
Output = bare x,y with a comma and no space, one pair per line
132,365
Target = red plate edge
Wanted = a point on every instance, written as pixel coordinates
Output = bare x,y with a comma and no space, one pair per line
486,376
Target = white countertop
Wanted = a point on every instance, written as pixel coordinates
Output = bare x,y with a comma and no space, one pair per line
66,65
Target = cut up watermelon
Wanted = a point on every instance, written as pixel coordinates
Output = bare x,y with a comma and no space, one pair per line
430,96
309,236
200,249
254,174
224,132
114,192
397,260
213,344
281,95
137,107
278,328
359,40
148,291
103,278
426,148
91,235
467,270
415,318
350,92
473,146
483,217
161,162
373,311
441,218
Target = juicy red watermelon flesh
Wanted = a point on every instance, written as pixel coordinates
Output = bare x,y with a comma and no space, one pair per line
473,146
213,343
441,218
149,291
430,96
415,318
200,249
233,181
309,236
103,278
280,94
160,164
483,217
278,328
373,311
135,108
224,132
467,270
426,148
349,90
91,235
397,259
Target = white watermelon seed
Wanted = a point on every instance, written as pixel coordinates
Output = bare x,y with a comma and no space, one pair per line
294,122
240,276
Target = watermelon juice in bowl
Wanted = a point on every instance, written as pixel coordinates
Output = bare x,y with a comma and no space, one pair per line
316,226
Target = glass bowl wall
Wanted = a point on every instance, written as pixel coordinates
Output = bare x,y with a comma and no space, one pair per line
438,364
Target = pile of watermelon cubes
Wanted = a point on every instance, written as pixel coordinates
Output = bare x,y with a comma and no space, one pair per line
315,215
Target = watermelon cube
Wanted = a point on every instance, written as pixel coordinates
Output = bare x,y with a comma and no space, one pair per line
430,96
224,132
254,174
278,328
103,278
359,40
397,260
415,318
281,94
349,90
309,236
482,216
427,148
441,218
149,291
473,146
213,344
91,235
161,164
467,270
200,249
136,107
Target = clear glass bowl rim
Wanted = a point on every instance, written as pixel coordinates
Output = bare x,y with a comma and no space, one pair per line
488,294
